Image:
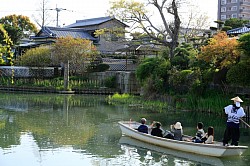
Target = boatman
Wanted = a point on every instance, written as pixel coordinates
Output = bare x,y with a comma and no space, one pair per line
234,113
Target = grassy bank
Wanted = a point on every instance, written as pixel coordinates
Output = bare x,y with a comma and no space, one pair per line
210,103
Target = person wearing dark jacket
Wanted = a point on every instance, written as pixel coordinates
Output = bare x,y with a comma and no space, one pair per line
157,131
143,127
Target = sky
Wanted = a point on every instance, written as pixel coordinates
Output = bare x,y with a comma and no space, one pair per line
79,9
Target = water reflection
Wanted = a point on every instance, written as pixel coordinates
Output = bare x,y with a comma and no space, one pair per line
51,129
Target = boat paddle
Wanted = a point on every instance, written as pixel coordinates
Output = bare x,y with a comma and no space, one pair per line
245,122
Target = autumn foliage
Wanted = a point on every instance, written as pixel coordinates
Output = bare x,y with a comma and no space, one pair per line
220,52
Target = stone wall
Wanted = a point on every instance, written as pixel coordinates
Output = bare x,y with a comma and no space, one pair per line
126,81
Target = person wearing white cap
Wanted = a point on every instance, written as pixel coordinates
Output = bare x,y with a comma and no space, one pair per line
234,113
176,132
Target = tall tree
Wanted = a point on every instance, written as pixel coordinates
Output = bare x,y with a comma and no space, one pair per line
74,52
6,55
221,52
18,26
139,15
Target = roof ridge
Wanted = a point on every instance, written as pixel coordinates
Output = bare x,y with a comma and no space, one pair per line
91,19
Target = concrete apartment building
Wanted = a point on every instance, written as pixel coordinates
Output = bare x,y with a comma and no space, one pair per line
233,9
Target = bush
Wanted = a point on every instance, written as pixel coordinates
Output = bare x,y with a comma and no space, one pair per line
99,68
110,82
36,57
184,80
239,74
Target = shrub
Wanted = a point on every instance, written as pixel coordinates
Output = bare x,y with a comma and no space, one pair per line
99,68
239,74
110,82
36,57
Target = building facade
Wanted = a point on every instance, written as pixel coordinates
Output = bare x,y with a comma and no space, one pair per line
233,9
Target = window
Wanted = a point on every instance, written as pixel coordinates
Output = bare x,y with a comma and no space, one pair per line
223,17
234,8
234,15
223,2
233,1
223,9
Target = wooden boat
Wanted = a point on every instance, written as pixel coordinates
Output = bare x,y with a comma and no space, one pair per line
216,150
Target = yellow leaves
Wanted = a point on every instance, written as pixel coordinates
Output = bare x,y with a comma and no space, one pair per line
221,51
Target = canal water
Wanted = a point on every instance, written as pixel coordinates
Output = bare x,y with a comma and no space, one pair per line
82,130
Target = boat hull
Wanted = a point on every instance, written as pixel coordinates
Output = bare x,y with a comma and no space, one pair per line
215,150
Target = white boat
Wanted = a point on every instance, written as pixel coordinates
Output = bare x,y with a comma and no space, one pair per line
216,149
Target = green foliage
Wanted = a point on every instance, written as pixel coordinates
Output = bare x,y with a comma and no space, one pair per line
98,68
165,53
184,80
226,28
152,66
110,82
235,22
210,102
36,57
239,74
15,33
18,26
137,102
244,43
185,56
153,75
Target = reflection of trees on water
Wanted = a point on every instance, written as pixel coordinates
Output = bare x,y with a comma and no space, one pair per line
9,130
86,123
59,120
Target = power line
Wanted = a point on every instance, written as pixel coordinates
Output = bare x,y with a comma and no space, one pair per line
57,13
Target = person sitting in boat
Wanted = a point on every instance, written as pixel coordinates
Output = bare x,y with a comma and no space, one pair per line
209,136
143,127
176,132
199,134
157,131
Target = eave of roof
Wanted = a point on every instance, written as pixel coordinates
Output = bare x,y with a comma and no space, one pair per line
55,32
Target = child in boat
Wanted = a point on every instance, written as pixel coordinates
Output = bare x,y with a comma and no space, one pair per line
199,134
209,136
157,131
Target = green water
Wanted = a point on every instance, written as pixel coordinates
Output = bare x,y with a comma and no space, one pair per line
53,129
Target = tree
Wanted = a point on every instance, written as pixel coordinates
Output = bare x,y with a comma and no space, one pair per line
153,75
221,51
18,26
5,48
138,14
235,22
244,44
74,51
194,25
5,51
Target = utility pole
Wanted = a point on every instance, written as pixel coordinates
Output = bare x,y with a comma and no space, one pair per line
57,14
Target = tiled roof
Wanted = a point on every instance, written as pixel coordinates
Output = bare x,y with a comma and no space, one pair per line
92,21
239,30
55,32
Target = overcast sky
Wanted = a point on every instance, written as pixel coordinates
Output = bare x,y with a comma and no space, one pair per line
78,9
